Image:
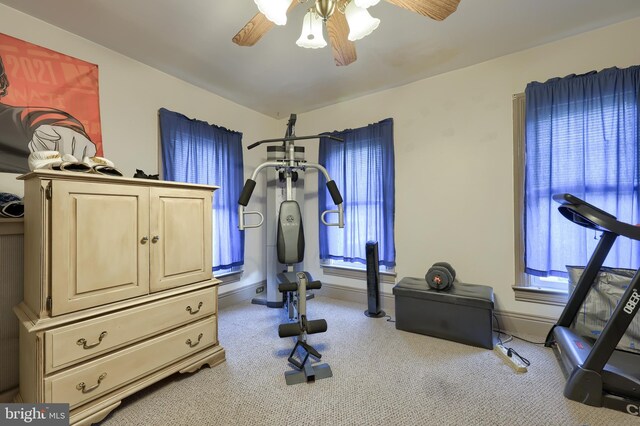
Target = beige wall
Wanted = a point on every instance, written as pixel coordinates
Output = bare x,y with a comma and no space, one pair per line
453,135
130,95
453,147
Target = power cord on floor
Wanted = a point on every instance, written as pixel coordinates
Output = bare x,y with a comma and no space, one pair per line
389,318
511,352
509,337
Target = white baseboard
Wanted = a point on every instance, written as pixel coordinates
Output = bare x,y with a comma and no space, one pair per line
531,326
534,326
525,325
356,295
239,295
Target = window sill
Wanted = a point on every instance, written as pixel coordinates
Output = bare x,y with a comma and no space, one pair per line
229,277
386,277
547,296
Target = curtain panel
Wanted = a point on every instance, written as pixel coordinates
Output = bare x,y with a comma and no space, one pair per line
195,151
363,167
581,137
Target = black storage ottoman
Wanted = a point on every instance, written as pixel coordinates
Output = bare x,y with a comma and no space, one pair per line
463,313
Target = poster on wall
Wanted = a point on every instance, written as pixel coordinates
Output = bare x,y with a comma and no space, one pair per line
48,102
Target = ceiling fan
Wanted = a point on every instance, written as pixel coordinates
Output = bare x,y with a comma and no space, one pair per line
345,20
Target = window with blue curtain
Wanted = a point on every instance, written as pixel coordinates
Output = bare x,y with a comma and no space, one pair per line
195,151
582,137
363,167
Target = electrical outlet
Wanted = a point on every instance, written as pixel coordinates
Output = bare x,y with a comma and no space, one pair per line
260,289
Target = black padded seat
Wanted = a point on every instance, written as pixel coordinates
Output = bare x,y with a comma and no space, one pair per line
291,278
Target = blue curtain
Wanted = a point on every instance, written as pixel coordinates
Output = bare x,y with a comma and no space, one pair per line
581,138
194,151
363,167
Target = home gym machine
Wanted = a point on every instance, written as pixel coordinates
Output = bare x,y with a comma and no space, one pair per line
290,287
598,374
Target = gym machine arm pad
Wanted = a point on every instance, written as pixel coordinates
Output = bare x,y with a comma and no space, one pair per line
335,193
247,190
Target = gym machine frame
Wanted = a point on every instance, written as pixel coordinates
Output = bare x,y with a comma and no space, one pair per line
598,374
290,241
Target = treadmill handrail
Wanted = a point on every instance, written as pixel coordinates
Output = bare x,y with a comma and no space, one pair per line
584,214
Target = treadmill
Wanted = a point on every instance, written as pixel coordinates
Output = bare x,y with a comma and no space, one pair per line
598,374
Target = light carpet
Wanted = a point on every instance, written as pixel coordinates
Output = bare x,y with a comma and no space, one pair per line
381,376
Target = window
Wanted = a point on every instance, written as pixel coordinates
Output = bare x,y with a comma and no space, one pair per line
196,152
579,135
529,288
363,168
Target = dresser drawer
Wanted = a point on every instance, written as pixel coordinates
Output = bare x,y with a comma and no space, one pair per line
95,378
67,345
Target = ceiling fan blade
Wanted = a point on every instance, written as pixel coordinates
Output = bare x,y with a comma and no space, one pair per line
344,51
258,26
253,31
435,9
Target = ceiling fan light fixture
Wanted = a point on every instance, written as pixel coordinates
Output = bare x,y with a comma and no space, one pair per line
311,36
274,10
366,3
325,8
361,23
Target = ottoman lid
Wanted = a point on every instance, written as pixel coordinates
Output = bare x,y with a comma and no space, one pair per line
480,296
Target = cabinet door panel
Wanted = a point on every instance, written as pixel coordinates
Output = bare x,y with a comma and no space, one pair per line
181,249
97,249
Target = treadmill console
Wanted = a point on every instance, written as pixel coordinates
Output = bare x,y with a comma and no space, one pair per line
584,214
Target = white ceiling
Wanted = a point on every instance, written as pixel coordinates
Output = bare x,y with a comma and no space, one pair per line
191,39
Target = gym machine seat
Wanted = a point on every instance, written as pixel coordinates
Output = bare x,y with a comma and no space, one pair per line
598,374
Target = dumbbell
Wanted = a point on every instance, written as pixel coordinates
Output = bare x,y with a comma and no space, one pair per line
440,276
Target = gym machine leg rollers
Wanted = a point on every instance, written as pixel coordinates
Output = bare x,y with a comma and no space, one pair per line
299,357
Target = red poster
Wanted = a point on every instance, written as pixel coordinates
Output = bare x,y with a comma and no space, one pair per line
48,102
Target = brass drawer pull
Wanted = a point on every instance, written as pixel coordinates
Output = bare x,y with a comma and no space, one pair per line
192,312
83,342
155,239
144,240
193,345
82,387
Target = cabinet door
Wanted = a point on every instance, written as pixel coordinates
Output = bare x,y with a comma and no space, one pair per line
180,237
98,249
